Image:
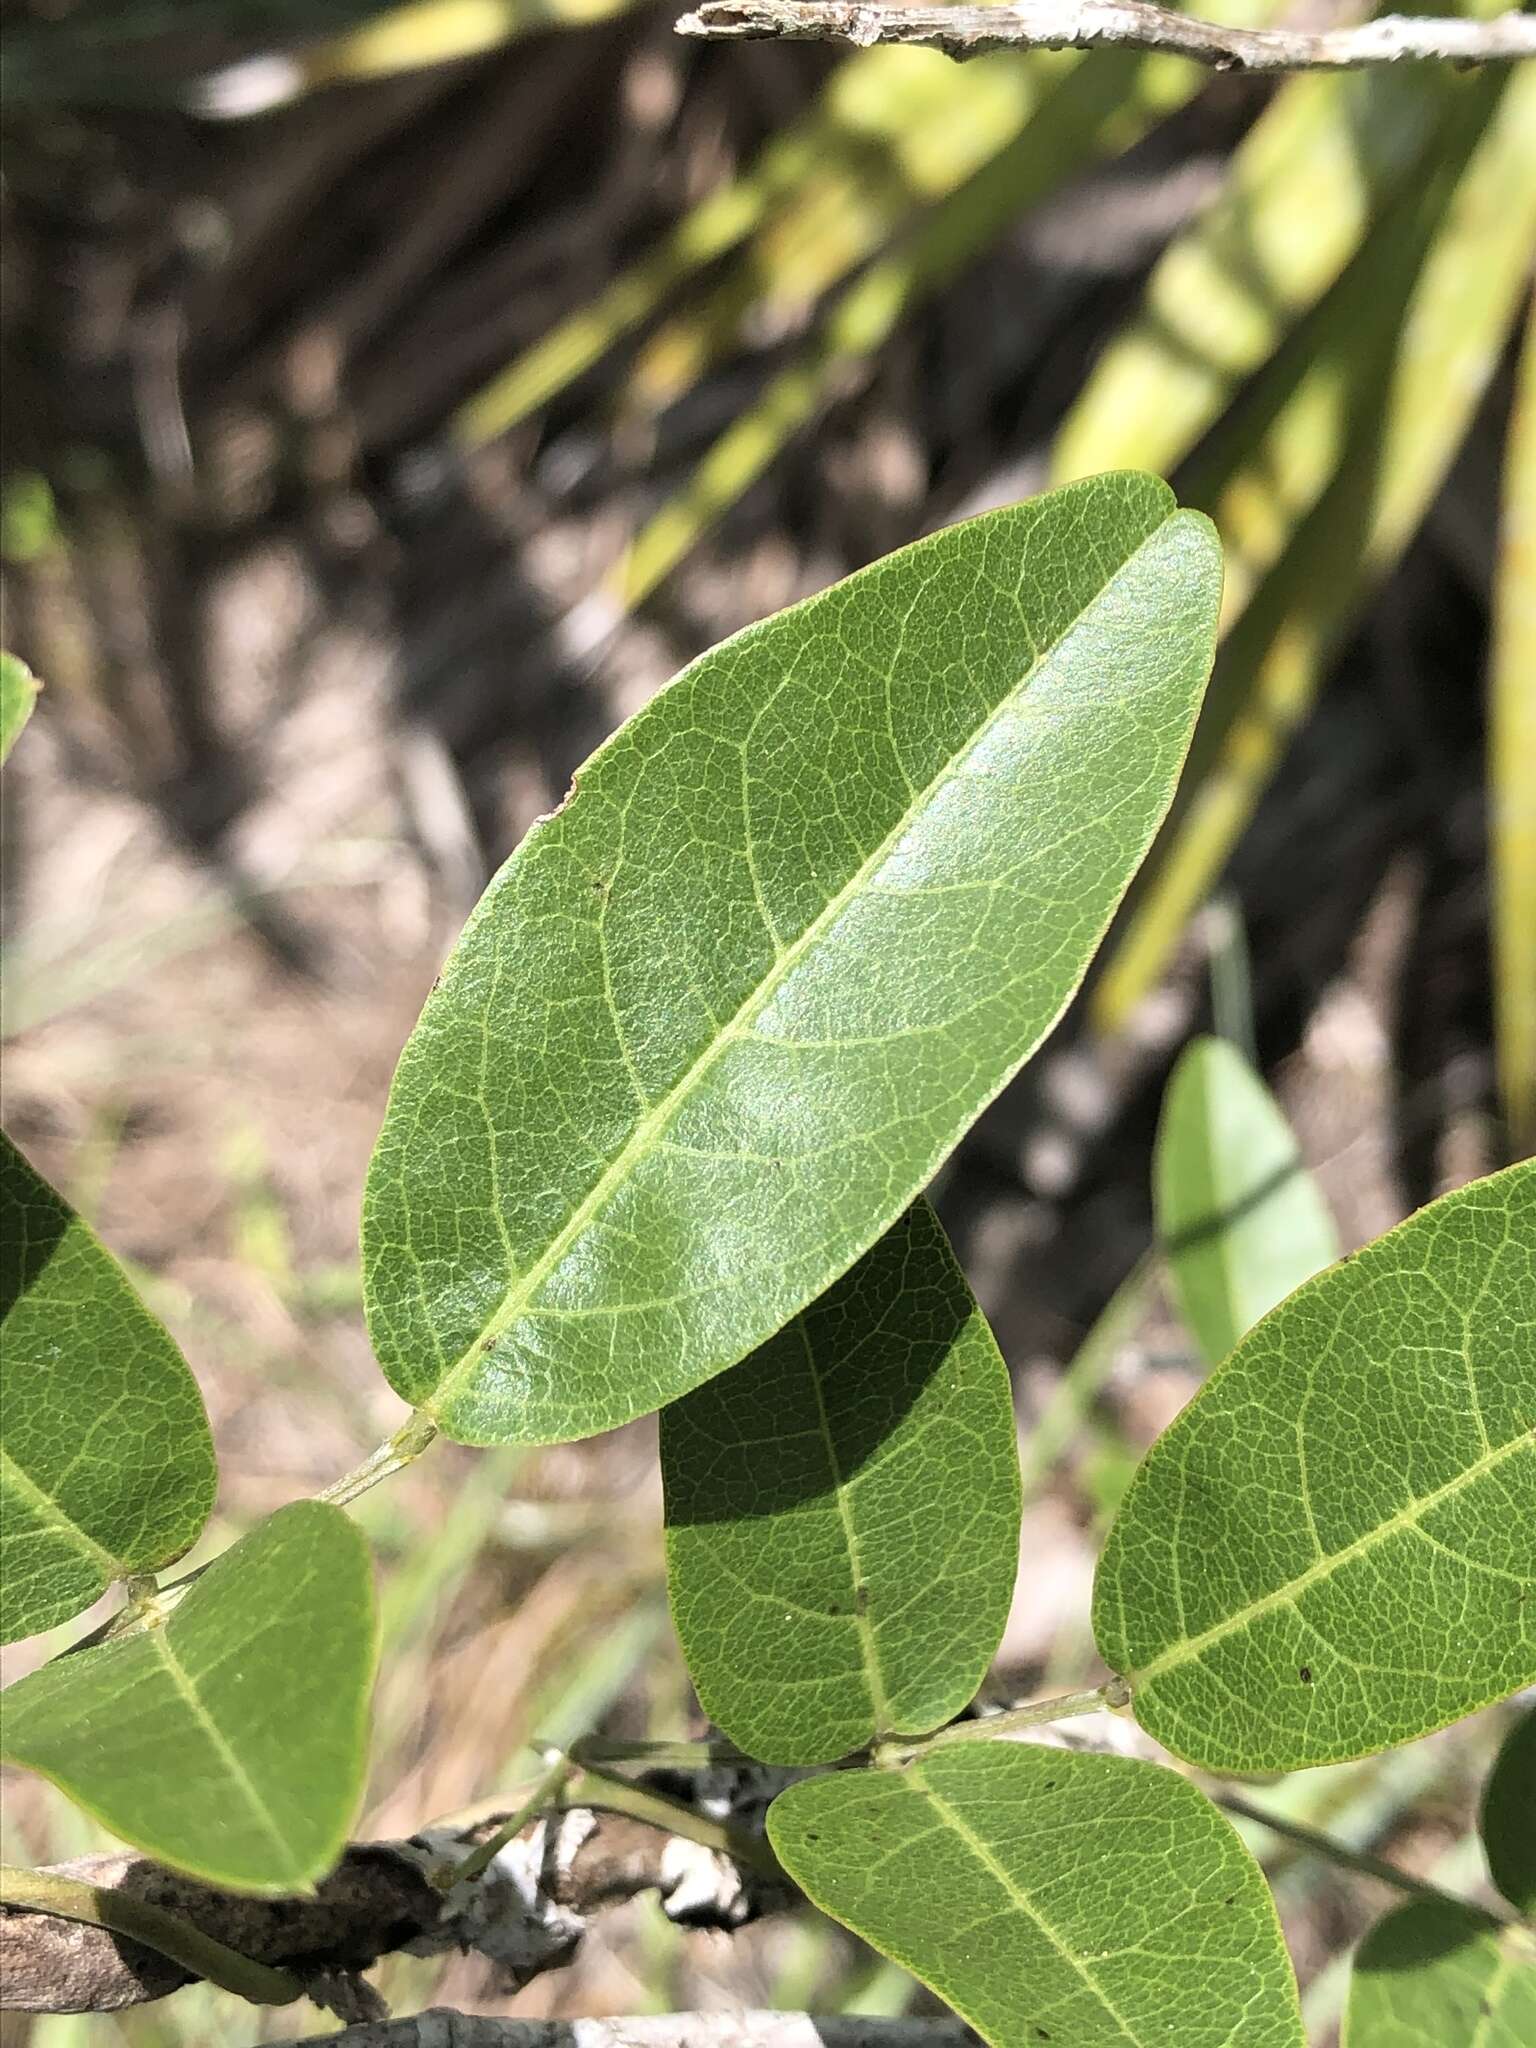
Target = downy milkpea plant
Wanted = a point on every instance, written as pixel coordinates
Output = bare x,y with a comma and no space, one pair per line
659,1141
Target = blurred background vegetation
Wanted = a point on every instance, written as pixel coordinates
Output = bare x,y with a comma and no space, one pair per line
395,396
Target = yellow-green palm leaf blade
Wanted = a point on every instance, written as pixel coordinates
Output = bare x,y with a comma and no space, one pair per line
1328,498
1512,768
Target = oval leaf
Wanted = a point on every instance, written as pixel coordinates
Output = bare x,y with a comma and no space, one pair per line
843,1512
230,1741
106,1464
718,1019
1435,1975
1331,1550
1049,1896
18,694
1509,1815
1240,1219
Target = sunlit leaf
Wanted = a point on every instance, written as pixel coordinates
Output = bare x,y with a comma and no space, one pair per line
1240,1219
106,1464
1333,1548
1049,1896
229,1741
1509,1815
18,694
1437,1975
715,1023
843,1512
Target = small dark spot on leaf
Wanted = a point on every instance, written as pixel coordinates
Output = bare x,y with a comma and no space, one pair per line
861,1599
1041,2034
1305,1674
811,1837
1229,1898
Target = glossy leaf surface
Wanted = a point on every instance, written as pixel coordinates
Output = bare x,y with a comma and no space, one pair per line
106,1464
843,1511
1333,1549
1240,1219
1434,1975
716,1022
18,694
1509,1815
229,1742
1050,1896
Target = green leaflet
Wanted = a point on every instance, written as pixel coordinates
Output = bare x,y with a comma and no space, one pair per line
843,1512
1240,1219
1050,1897
1509,1815
1333,1548
1434,1975
106,1465
230,1741
18,694
719,1018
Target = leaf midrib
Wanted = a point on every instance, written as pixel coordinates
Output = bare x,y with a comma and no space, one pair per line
1021,1899
869,1653
58,1519
523,1287
1188,1648
157,1638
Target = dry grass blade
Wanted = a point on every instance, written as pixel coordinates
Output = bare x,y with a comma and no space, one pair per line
1512,769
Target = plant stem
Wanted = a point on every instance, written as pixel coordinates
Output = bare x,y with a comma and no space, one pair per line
40,1891
1360,1860
1113,1694
612,1794
966,31
393,1455
546,1793
598,1750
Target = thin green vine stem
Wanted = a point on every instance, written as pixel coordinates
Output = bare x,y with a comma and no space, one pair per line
1112,1695
42,1891
545,1794
393,1455
610,1793
1359,1860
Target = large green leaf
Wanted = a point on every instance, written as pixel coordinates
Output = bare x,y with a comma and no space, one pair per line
1436,1975
106,1465
18,694
1509,1815
843,1511
719,1018
1240,1219
230,1740
1333,1548
1051,1897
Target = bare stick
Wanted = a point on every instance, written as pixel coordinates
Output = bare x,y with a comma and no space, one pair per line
1118,24
443,2029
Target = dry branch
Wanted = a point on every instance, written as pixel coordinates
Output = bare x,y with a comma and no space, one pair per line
525,1914
1119,24
444,2029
